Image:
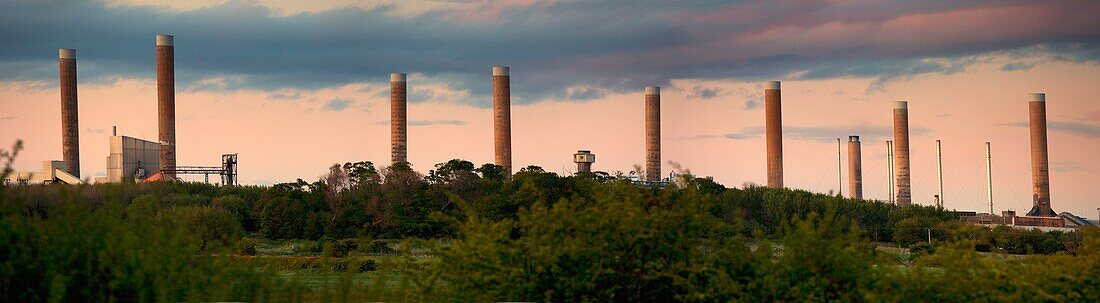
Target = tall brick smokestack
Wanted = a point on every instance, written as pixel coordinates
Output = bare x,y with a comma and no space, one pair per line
652,133
399,135
1040,168
70,128
903,192
773,130
166,102
502,118
855,168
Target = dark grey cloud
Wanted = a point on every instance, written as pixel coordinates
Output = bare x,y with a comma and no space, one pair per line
1017,66
336,105
425,122
701,92
552,47
1070,127
1067,167
752,104
7,118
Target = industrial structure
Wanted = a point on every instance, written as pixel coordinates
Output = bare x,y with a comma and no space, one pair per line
141,160
903,192
584,160
502,119
1040,168
70,128
652,133
773,132
855,168
399,134
166,102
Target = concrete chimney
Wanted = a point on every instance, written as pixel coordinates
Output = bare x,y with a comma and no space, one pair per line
502,119
903,192
1040,168
773,129
855,168
166,102
399,146
584,160
652,133
70,127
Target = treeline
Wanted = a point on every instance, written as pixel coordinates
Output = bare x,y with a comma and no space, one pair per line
357,200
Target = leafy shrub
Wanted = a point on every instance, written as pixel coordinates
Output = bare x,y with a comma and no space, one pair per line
247,246
212,226
921,249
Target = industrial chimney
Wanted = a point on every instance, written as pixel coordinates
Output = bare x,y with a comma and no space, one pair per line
398,119
1040,168
166,103
652,133
855,168
773,129
901,153
502,119
70,128
584,160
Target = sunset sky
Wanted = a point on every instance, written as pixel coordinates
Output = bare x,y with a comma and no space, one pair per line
294,86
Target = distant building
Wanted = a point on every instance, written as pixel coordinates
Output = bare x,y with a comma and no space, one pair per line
1064,221
53,171
132,158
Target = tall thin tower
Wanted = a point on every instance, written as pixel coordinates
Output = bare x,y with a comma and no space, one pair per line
939,171
652,133
1040,168
890,171
70,127
855,168
989,175
901,153
839,171
399,146
502,119
166,102
773,131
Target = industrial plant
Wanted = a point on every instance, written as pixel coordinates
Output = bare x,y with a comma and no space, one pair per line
142,160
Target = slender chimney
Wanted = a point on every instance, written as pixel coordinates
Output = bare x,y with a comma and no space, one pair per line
855,168
652,133
502,119
901,153
989,175
1040,168
890,171
399,147
839,171
773,129
166,102
70,127
939,173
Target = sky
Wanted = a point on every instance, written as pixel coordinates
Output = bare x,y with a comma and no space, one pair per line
295,86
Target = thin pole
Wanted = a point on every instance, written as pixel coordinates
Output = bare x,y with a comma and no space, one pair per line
890,171
839,176
989,175
939,170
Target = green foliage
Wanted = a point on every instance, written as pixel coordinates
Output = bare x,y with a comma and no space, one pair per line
246,246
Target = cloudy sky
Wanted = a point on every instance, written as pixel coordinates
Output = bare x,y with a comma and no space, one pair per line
294,86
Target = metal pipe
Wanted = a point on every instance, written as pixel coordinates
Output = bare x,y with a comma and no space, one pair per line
989,175
839,169
939,171
890,171
773,129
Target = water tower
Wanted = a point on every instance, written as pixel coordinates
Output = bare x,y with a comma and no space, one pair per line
584,160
